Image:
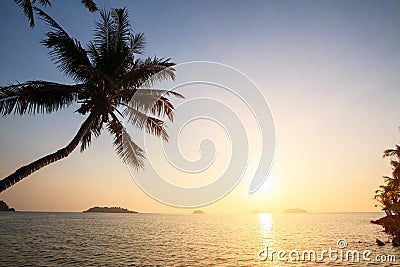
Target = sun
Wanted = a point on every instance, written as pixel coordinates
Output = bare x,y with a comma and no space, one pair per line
268,187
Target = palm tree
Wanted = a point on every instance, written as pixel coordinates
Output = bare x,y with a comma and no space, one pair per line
107,74
28,7
394,155
388,195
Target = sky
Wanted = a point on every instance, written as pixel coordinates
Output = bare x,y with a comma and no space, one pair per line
329,70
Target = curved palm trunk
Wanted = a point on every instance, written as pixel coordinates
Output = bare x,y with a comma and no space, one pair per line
24,171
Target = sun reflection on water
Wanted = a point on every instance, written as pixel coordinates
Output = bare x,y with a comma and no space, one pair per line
266,228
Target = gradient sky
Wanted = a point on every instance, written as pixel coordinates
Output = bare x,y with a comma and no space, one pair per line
330,71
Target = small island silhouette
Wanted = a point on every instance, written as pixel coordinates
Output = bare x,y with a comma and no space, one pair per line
198,212
110,210
5,207
296,210
258,211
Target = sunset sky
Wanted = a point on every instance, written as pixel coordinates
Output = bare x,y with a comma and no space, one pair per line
330,71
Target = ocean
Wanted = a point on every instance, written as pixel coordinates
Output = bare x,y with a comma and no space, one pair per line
99,239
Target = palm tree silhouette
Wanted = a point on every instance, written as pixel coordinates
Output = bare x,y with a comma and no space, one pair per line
388,194
107,74
28,7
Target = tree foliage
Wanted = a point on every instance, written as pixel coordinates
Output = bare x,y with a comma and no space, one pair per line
388,194
28,7
107,73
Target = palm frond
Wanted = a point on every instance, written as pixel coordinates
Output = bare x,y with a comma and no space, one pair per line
86,141
37,97
27,8
90,5
156,127
163,107
43,2
389,153
154,102
94,55
95,130
114,127
392,152
127,150
102,32
103,40
130,152
112,40
65,51
145,73
152,125
122,31
138,43
158,93
395,164
121,52
50,21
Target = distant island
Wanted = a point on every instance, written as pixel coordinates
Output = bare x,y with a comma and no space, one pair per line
110,210
295,211
5,207
198,212
257,212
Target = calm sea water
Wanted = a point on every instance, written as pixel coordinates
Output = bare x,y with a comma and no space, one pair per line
89,239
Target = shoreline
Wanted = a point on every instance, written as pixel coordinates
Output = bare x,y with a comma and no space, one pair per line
391,226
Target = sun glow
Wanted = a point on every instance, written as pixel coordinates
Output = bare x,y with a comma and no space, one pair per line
269,186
